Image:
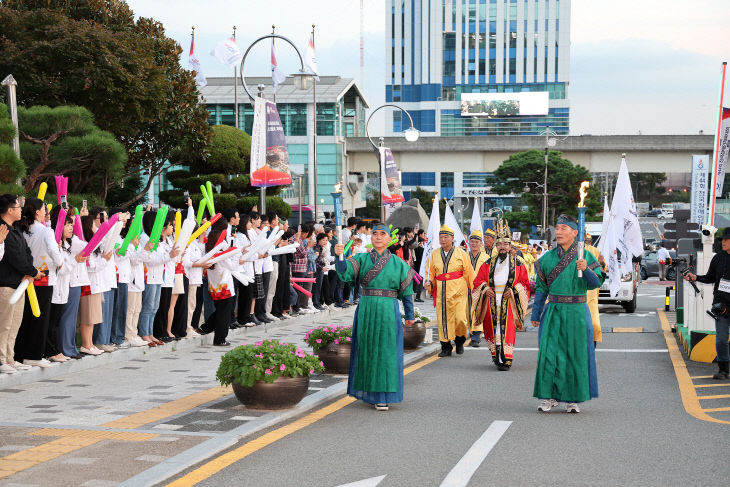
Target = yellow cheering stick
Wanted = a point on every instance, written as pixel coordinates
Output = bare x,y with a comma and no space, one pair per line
33,300
42,191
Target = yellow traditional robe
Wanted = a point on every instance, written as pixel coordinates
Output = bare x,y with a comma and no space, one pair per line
451,296
476,263
592,301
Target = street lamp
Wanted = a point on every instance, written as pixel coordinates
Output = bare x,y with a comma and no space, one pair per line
548,143
298,81
411,135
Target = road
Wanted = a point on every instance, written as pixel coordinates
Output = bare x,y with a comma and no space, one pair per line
636,433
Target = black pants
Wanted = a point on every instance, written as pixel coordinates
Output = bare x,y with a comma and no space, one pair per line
30,342
346,290
245,296
52,335
302,301
335,287
198,305
317,288
260,308
159,326
220,319
281,296
180,319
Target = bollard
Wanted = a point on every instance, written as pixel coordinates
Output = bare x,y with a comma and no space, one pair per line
666,298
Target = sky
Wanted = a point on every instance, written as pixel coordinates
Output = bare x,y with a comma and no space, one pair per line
637,66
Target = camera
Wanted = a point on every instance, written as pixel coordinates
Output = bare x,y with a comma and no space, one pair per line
708,230
717,311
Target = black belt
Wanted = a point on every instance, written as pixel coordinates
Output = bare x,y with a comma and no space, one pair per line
383,293
556,298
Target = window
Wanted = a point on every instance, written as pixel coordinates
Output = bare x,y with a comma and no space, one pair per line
475,179
418,178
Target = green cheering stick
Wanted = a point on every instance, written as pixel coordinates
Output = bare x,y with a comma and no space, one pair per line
158,226
134,230
347,247
208,198
209,187
201,210
395,239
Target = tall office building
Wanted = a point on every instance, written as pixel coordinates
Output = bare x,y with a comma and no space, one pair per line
478,67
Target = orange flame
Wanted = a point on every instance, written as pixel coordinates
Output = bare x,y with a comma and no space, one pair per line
583,193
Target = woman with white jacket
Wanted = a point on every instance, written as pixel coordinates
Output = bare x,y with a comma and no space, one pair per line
194,271
91,313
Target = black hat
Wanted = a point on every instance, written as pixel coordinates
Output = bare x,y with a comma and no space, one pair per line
725,233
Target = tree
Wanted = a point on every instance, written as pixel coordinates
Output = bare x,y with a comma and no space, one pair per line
563,183
227,165
11,166
127,73
64,140
648,186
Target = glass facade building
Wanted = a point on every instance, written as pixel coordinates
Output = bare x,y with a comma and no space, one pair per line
438,50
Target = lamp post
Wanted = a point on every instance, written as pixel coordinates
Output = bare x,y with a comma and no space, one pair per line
411,134
548,143
301,81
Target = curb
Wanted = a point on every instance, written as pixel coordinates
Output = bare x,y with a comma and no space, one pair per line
37,374
174,465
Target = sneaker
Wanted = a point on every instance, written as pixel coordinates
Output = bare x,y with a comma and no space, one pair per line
272,317
7,369
192,333
90,351
124,344
572,407
305,311
250,324
381,407
42,363
546,405
19,366
137,342
312,309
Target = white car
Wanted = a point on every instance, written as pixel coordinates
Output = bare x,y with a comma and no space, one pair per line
666,215
626,296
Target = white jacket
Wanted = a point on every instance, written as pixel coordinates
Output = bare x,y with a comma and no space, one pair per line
95,266
193,253
79,273
43,246
64,274
220,280
168,278
242,242
154,261
258,264
124,265
136,282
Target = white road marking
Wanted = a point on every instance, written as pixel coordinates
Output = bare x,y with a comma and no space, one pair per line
463,471
371,482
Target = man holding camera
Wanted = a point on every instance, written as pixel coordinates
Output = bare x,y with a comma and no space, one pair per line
719,274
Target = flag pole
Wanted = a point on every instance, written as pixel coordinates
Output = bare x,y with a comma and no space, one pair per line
314,138
716,145
235,85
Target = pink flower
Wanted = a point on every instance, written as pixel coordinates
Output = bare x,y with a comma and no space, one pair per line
271,346
267,371
254,366
319,340
259,355
321,364
311,371
258,344
337,342
349,339
282,367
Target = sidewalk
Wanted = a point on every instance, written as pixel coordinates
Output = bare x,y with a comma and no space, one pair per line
141,415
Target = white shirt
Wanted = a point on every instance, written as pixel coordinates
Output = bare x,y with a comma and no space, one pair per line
193,253
43,246
154,260
95,266
80,272
2,250
242,242
136,282
63,275
220,279
168,278
662,254
258,264
124,265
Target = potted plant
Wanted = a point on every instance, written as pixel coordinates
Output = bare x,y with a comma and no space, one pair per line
332,344
413,335
268,374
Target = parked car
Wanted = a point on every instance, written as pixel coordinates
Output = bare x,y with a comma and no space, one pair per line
650,266
653,213
666,215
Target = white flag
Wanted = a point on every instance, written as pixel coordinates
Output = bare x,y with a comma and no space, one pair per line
432,234
277,77
310,60
626,225
228,53
450,221
476,219
604,226
611,255
194,63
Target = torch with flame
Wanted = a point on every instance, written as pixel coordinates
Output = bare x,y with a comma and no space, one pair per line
583,192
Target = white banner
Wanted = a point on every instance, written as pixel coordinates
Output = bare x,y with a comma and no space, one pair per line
258,135
626,225
228,53
698,197
723,152
476,219
432,242
450,221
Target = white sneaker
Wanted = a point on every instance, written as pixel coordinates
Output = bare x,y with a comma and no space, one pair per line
138,342
272,317
7,369
313,309
42,363
572,407
192,334
124,344
306,311
90,351
19,366
546,405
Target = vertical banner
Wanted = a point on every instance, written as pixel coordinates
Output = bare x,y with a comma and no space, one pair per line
698,196
724,145
269,154
390,188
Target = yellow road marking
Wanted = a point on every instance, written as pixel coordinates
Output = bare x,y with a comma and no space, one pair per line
713,385
686,387
719,396
214,466
701,377
629,329
714,410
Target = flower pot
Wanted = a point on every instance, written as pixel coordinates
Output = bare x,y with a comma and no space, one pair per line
336,357
283,393
413,335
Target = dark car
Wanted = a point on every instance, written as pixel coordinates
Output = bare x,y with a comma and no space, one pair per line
650,266
653,213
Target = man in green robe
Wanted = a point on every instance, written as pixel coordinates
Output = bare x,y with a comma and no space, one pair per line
566,361
376,359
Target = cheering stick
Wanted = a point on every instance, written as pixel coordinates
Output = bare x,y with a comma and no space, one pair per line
207,199
201,210
185,232
178,224
243,277
258,242
269,242
301,289
221,237
222,255
99,235
218,248
15,297
78,231
287,249
61,188
42,191
209,187
158,225
302,279
33,300
134,230
111,238
60,223
205,226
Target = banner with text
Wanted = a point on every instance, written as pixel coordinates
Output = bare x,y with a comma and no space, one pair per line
698,197
269,154
724,136
390,187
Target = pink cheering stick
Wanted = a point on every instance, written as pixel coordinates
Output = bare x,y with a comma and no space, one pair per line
60,223
417,278
99,235
61,188
302,279
301,289
78,231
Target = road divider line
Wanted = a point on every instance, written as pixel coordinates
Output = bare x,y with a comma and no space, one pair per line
701,377
227,459
628,329
712,385
686,386
719,396
461,474
717,410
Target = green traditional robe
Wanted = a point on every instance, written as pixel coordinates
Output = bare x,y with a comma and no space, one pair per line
376,359
566,367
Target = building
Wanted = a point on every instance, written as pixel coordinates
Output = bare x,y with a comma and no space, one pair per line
340,113
478,67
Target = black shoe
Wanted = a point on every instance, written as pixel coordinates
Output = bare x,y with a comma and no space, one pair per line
263,319
277,315
459,348
502,367
474,344
418,300
234,325
320,307
167,339
255,320
338,305
445,353
222,344
78,356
